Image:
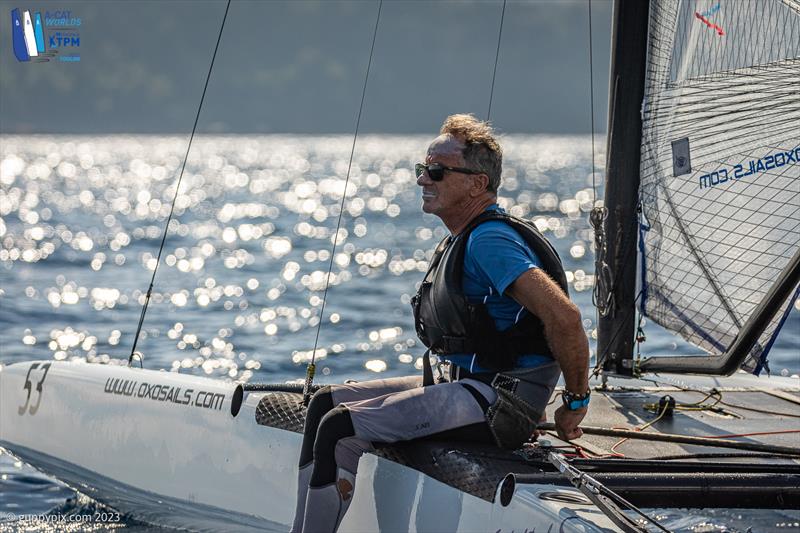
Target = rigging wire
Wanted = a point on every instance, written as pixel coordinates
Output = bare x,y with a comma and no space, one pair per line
496,57
591,99
175,197
602,293
311,368
601,358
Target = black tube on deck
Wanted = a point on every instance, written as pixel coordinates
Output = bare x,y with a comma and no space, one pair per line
682,490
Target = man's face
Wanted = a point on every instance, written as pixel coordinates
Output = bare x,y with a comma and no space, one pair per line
450,195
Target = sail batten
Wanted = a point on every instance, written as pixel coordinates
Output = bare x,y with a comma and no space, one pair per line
720,166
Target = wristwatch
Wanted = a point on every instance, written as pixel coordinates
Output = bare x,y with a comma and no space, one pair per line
573,401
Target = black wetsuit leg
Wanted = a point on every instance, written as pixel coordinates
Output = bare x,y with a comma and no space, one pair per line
318,407
335,426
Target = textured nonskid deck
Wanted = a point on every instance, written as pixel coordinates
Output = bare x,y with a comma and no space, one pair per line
472,468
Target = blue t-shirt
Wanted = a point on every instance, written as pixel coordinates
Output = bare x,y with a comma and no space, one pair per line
495,257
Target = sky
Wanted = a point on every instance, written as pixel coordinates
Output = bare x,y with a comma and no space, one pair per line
299,66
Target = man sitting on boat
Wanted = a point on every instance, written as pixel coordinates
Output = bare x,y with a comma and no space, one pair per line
493,307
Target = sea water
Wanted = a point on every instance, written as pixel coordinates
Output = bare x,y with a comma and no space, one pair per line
239,289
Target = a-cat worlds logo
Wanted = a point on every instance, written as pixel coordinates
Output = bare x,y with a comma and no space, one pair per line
39,39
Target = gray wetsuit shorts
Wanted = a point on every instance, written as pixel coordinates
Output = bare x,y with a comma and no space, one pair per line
400,409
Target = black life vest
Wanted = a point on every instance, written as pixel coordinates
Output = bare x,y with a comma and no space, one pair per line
447,323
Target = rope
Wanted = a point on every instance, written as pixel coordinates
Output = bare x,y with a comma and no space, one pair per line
645,426
717,394
311,369
177,188
603,293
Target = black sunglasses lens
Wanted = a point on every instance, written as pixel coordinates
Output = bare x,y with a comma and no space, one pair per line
434,171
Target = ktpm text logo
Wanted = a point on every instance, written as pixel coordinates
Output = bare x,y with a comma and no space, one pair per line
39,39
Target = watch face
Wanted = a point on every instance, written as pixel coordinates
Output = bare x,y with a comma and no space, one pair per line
577,404
572,403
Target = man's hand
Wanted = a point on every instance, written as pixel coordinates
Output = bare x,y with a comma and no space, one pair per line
567,422
540,432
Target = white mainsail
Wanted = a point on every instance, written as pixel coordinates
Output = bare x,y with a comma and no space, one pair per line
720,166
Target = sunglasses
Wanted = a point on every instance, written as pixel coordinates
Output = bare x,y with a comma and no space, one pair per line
435,171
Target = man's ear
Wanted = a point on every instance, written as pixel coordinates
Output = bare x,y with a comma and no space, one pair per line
480,184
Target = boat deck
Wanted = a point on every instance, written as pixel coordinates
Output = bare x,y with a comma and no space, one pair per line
735,410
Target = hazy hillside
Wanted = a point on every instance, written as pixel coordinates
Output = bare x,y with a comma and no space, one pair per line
299,67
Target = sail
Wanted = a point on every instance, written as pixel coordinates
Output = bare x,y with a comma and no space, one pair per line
720,166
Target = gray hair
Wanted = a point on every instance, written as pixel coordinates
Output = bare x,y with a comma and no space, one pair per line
481,149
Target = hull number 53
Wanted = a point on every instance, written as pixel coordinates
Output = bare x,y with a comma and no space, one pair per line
28,386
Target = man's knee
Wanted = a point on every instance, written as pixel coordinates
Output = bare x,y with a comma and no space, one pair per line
349,450
318,407
335,426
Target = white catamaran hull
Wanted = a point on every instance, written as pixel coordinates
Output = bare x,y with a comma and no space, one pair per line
165,448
